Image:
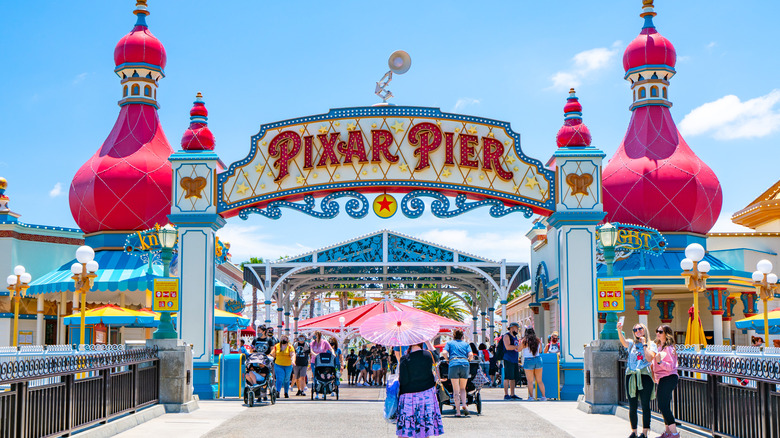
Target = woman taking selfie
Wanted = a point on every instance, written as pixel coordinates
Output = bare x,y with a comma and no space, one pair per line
639,381
665,375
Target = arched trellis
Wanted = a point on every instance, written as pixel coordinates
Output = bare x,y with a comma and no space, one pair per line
382,258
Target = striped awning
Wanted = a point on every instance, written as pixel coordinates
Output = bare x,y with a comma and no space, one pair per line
118,272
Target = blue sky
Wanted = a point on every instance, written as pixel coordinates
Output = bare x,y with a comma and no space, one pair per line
259,62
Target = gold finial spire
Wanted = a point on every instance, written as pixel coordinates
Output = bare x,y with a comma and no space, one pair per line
199,95
141,8
647,9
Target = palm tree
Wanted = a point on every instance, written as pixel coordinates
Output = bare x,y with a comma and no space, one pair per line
441,304
252,261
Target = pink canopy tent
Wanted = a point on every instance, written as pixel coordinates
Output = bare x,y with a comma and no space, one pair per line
354,318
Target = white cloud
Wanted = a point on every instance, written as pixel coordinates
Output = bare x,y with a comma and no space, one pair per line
712,45
248,241
79,77
56,190
585,64
724,225
729,118
513,246
463,102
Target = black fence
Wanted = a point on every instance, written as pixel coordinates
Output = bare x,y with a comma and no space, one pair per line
60,395
725,395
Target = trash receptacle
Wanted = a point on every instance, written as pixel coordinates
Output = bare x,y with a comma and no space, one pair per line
231,375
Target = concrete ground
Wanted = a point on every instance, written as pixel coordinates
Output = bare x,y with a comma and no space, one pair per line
359,413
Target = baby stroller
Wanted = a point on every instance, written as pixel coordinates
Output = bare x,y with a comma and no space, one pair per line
324,375
444,394
261,366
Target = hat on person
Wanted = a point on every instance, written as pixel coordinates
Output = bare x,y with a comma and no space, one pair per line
514,324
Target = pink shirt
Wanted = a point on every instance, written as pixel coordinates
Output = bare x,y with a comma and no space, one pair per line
319,347
668,365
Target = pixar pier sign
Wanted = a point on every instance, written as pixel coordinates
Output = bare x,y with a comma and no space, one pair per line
386,149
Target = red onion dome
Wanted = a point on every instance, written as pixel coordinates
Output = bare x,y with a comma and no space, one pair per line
573,133
649,48
198,136
654,179
140,46
127,184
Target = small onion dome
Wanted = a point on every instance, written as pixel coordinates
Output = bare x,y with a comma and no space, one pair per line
573,133
198,136
649,48
140,46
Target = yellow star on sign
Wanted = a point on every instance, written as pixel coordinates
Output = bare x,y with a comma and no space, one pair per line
337,124
515,188
446,173
469,179
397,126
301,130
262,186
472,130
403,167
482,177
510,160
300,179
350,126
373,125
242,188
270,174
490,134
259,168
531,182
323,129
264,143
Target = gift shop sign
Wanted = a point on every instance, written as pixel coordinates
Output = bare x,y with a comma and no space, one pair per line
386,149
166,295
610,295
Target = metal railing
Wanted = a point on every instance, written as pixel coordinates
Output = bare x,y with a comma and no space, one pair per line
24,352
727,395
59,395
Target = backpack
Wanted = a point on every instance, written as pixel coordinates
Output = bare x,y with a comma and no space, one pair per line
500,349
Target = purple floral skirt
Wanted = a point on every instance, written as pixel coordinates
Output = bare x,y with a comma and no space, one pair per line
419,415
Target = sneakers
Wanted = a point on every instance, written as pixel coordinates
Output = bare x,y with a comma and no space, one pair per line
543,399
509,397
633,435
515,397
286,395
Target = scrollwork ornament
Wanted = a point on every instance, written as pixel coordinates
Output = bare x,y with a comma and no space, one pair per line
413,207
356,208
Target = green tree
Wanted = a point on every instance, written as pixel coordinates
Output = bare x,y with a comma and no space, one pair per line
522,289
440,303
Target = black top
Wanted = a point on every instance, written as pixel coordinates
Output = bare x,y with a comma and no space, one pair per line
416,372
351,359
301,354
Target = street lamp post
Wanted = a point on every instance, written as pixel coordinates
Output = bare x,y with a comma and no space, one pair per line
608,235
695,272
765,282
84,276
167,236
18,282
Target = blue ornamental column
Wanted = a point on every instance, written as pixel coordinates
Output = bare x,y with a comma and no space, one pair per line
578,211
195,214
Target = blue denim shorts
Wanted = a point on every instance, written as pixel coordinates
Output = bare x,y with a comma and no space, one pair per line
458,371
532,363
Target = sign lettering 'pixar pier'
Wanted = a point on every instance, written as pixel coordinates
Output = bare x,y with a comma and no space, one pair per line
386,149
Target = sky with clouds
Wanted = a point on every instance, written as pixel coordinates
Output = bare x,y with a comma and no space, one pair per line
259,62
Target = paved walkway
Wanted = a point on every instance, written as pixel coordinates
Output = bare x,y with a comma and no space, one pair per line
358,413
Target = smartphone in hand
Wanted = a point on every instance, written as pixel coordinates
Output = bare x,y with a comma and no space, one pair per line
621,319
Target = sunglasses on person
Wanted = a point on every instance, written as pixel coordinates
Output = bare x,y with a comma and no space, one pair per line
659,331
636,329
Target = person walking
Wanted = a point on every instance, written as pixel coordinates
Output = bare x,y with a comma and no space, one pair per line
532,362
283,354
639,382
511,361
302,355
418,414
495,377
554,346
334,345
665,375
352,367
318,345
459,355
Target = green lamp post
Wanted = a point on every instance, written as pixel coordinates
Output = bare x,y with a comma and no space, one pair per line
167,236
608,235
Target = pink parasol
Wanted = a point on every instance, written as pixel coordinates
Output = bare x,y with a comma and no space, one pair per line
399,328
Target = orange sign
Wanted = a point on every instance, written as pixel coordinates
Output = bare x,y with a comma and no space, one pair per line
611,296
166,295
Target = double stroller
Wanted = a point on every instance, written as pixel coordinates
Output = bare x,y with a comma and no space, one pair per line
324,376
264,389
444,394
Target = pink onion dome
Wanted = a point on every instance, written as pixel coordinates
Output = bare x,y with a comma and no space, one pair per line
573,133
127,184
198,136
140,46
649,48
